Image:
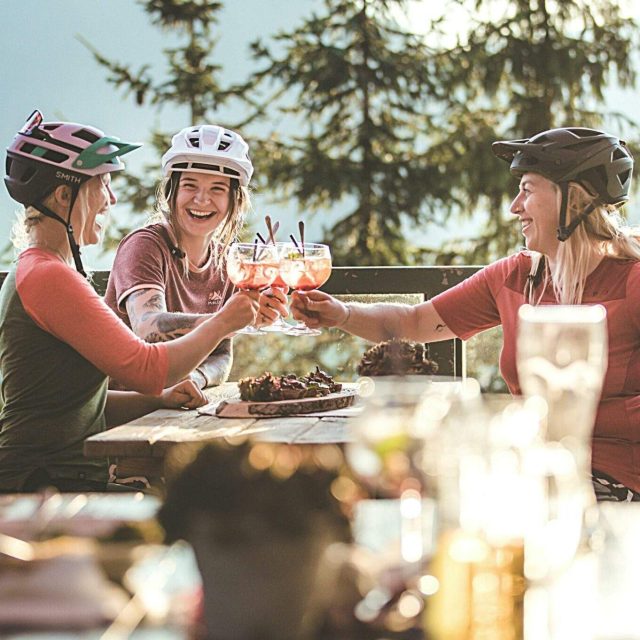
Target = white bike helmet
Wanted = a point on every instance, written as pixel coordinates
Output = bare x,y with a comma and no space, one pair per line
209,148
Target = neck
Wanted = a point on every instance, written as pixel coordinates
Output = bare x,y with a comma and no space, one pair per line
197,250
594,260
51,236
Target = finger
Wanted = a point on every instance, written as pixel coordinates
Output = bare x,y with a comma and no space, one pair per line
278,295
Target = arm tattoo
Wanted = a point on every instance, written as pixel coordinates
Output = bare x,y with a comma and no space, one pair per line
440,328
150,319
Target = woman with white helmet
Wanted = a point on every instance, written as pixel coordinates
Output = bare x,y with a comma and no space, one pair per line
59,341
169,276
572,180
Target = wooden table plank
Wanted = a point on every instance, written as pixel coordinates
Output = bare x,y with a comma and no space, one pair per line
326,430
285,430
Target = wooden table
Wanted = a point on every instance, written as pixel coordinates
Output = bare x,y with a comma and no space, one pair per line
140,446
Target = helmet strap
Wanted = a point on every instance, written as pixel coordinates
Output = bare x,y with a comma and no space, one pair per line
564,230
73,245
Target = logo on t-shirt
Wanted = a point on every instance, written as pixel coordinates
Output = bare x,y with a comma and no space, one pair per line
215,298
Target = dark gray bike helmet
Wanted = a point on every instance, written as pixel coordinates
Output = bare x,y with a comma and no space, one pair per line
600,162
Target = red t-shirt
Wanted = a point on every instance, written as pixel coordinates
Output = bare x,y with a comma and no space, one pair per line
144,261
492,297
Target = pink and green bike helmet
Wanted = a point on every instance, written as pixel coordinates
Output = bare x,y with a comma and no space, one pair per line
44,155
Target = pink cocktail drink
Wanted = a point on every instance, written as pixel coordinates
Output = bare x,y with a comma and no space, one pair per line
306,274
252,276
305,268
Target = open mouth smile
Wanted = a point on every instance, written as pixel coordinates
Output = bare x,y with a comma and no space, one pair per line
200,215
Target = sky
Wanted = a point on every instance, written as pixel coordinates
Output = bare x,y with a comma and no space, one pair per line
43,65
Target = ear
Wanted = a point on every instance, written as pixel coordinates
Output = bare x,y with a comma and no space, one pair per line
62,195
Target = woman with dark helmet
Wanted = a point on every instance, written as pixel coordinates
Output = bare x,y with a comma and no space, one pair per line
572,180
170,276
59,341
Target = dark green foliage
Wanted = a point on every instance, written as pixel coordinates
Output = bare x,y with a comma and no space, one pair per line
398,133
534,66
352,91
190,80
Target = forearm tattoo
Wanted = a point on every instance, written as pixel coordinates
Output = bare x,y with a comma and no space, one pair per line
440,328
154,322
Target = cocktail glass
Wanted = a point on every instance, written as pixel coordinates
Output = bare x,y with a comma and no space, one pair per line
279,324
252,267
305,267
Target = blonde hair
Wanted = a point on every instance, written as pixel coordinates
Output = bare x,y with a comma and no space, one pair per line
239,206
28,218
603,232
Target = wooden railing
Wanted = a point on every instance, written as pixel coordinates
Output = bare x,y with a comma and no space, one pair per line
423,281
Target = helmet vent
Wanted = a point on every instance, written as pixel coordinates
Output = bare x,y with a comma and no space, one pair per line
49,127
618,154
585,133
47,154
224,145
195,141
625,176
88,136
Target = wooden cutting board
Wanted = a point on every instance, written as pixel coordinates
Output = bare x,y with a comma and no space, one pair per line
236,408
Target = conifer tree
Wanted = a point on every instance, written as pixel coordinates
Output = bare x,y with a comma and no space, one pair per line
530,65
352,91
191,81
398,133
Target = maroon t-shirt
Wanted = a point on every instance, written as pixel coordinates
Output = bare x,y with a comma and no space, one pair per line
144,261
492,297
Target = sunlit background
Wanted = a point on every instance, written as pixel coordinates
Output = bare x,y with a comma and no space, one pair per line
45,65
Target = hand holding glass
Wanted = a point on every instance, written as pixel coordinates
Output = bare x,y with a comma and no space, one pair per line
252,267
305,268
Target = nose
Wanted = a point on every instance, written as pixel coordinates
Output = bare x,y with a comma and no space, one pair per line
112,196
516,205
201,195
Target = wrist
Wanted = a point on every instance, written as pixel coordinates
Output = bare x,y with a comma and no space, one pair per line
200,378
347,316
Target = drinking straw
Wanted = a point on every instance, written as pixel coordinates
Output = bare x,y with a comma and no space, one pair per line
301,228
261,238
255,248
272,230
295,242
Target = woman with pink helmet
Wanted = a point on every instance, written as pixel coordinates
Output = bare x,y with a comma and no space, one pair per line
59,342
170,276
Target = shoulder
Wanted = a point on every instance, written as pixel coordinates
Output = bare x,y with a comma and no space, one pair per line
146,245
39,272
515,267
151,235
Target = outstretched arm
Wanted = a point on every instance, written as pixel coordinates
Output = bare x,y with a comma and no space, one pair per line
374,322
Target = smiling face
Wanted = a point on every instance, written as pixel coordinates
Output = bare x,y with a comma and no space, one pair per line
537,206
91,208
201,204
